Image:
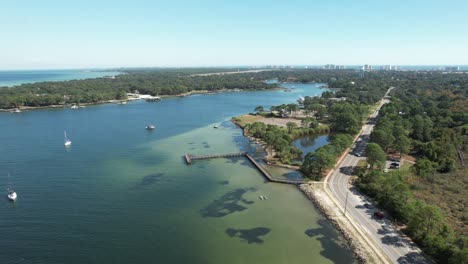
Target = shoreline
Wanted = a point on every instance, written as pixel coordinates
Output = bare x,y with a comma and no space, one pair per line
115,101
315,193
193,92
269,157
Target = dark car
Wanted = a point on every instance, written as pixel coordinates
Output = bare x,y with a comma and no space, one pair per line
368,206
378,215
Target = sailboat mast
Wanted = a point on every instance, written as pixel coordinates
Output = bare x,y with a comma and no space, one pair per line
9,182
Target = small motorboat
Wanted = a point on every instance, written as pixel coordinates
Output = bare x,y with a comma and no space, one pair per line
150,127
74,106
12,195
215,126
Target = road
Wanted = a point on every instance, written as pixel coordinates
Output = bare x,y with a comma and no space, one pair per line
396,246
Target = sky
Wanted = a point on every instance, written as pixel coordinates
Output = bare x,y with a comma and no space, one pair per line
50,34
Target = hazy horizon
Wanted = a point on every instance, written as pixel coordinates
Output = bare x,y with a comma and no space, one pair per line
277,66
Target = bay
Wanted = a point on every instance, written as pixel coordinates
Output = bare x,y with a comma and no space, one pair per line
122,194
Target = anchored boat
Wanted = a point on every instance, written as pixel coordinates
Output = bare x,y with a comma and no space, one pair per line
11,193
67,141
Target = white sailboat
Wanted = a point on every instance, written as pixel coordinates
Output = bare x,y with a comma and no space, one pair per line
11,194
67,141
150,127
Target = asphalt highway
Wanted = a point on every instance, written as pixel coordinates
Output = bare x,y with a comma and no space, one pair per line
396,246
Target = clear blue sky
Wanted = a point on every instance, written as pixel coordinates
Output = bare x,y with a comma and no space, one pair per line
70,34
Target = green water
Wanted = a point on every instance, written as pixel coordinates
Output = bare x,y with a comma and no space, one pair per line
121,194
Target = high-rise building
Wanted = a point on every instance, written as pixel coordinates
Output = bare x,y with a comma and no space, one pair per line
389,68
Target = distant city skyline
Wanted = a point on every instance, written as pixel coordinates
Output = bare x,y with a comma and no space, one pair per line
54,34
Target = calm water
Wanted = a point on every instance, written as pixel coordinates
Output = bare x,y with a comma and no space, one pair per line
121,194
310,143
12,78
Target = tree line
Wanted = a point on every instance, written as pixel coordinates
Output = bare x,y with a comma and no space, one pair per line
154,82
428,118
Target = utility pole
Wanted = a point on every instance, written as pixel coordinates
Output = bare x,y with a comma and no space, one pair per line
346,203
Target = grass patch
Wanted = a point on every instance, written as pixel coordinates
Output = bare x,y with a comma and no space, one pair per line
246,119
448,191
406,166
362,164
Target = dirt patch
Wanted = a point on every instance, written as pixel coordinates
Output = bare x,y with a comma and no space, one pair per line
279,121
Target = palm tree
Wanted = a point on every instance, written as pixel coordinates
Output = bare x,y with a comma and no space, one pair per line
291,126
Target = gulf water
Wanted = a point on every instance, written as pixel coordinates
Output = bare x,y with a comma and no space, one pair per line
122,194
12,78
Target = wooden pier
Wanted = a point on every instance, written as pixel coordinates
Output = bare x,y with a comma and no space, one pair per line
189,158
268,176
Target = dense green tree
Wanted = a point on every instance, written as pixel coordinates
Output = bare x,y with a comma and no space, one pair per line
402,143
382,137
344,118
422,128
341,142
424,167
276,138
375,155
426,221
327,94
318,109
315,163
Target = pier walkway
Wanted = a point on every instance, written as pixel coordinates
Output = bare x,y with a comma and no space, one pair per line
189,158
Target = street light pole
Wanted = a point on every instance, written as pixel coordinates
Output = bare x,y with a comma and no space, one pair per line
346,203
